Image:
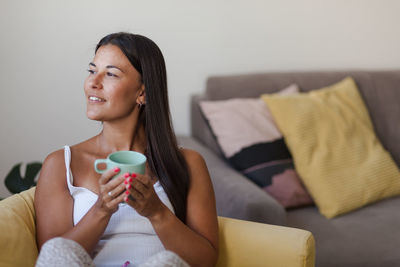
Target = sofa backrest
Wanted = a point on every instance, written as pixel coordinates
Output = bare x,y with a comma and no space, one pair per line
379,89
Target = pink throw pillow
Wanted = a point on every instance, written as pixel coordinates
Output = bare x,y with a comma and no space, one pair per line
288,190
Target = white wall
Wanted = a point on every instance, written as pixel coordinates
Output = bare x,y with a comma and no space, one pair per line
45,47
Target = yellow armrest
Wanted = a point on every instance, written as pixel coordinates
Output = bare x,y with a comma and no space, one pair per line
244,243
17,230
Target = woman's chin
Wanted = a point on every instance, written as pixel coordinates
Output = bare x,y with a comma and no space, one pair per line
94,117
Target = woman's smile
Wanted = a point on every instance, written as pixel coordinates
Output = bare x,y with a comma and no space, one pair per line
95,99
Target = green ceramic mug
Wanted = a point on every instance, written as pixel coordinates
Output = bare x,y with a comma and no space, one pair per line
127,161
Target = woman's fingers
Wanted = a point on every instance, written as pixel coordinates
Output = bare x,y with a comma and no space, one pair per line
144,180
140,187
117,200
131,190
112,186
107,175
113,183
130,201
116,191
141,196
137,186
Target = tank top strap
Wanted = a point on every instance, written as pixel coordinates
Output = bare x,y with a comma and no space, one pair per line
67,158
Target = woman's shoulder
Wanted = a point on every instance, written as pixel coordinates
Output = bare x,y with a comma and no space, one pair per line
194,161
56,159
58,156
200,180
191,156
53,170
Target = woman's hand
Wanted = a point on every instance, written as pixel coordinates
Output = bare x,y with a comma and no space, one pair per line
111,191
141,196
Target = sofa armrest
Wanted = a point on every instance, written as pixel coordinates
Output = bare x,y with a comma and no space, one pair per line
236,196
17,230
244,243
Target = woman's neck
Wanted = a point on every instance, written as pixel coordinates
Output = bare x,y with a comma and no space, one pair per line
117,136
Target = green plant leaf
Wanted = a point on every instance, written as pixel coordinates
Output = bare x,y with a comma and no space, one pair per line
15,183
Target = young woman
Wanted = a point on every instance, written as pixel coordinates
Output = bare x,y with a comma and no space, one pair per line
132,217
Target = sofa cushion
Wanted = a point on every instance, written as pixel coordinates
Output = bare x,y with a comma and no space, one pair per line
248,136
288,190
241,122
250,140
335,150
17,230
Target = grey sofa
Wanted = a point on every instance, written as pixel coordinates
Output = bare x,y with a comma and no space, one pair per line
366,237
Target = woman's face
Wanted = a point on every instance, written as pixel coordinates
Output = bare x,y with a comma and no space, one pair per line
113,85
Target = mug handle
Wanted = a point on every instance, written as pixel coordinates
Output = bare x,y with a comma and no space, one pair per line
98,161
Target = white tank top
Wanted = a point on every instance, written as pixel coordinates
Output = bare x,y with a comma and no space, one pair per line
128,236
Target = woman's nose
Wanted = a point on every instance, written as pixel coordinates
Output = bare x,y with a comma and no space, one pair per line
96,81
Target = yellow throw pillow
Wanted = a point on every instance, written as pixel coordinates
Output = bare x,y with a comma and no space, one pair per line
334,147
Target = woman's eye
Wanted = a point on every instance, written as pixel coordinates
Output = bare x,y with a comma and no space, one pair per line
111,74
91,71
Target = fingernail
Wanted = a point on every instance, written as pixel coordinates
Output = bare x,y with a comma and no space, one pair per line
125,182
126,198
126,192
128,186
116,169
133,175
130,180
126,175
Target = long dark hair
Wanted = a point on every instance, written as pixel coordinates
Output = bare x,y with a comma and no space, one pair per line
162,152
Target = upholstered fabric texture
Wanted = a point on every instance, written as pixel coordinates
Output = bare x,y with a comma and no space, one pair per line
248,136
274,246
242,243
336,152
18,231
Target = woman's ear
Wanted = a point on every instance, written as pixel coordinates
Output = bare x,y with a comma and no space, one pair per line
141,99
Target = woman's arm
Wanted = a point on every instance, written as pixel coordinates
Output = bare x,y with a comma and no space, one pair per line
197,241
54,205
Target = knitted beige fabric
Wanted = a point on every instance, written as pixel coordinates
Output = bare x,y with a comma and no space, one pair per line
165,259
65,252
